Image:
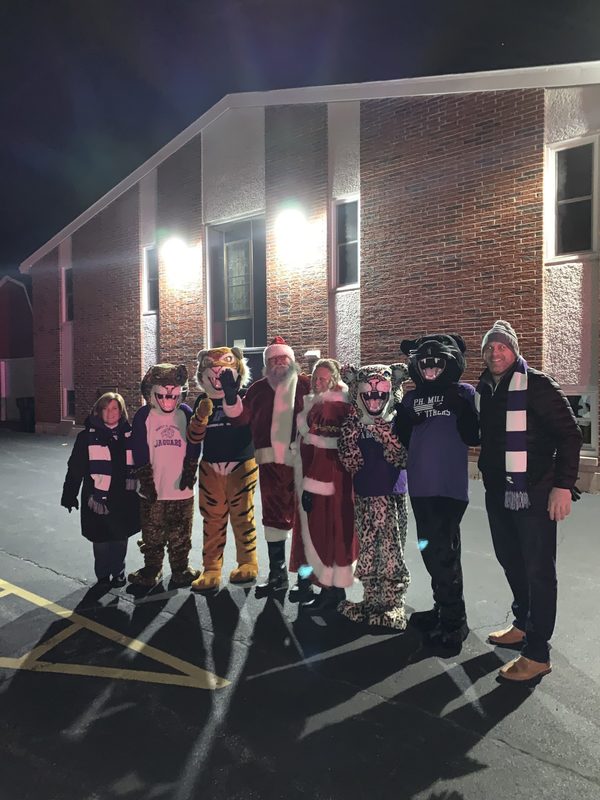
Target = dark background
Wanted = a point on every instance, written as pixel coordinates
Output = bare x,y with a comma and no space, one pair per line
90,89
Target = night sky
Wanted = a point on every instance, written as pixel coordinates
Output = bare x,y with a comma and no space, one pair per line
92,88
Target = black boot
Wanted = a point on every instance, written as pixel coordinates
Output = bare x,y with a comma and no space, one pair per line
278,577
425,620
302,591
328,600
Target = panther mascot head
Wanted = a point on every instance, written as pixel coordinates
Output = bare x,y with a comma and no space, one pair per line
165,386
375,389
437,359
212,362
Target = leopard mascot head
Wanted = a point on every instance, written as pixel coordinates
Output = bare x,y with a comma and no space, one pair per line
435,360
375,389
165,386
212,362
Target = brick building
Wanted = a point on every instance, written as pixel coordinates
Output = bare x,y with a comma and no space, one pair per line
16,353
344,218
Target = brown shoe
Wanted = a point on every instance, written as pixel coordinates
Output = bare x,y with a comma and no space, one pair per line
524,669
509,637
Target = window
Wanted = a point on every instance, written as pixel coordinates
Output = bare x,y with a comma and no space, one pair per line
346,243
238,268
574,199
70,404
150,303
583,405
238,283
68,288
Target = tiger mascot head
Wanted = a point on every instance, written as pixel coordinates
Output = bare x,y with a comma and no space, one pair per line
212,362
165,386
375,389
436,360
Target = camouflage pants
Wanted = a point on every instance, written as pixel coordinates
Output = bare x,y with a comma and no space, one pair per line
166,523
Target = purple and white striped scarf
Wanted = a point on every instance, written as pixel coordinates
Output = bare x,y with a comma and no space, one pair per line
515,496
101,462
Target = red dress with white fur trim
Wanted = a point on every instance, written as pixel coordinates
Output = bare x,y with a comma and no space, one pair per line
326,533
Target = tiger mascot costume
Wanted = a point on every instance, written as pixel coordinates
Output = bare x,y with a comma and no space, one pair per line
371,451
228,472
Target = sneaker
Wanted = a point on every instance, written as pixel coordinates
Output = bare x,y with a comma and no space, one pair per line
508,637
119,580
524,669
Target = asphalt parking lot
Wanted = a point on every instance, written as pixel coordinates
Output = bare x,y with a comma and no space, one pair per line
173,695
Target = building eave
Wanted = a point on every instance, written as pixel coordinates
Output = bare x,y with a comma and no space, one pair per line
548,77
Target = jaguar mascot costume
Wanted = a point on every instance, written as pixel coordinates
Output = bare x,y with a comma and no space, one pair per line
228,471
370,449
166,466
437,422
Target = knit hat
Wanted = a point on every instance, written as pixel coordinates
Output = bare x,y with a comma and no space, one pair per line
504,332
278,347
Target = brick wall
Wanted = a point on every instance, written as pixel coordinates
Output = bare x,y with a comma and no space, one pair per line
106,264
46,338
179,214
296,171
451,219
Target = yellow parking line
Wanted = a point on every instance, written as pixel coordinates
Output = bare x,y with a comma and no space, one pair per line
192,676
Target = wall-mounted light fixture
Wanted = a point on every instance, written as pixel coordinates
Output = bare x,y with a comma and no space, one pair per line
182,262
291,236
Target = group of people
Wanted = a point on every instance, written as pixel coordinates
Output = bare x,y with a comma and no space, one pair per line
336,453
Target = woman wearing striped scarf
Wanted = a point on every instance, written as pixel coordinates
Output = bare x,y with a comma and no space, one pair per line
102,461
529,461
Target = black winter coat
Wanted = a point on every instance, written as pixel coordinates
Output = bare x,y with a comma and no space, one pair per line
553,436
123,519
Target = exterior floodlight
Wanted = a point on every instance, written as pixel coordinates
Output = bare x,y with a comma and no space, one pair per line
181,262
291,232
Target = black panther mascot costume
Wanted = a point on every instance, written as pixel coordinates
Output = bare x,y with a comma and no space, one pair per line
437,422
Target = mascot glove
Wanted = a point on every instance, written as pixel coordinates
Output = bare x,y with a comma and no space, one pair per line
454,401
69,503
204,410
189,474
199,420
146,478
230,386
307,501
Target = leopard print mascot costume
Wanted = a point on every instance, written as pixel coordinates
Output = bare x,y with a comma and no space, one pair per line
228,471
371,451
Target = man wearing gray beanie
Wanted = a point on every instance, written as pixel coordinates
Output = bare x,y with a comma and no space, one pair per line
529,460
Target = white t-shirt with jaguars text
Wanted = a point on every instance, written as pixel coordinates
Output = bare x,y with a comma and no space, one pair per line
167,445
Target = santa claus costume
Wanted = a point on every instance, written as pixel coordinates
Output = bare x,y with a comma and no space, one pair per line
270,407
326,510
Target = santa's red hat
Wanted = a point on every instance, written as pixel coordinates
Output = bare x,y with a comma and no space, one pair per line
278,347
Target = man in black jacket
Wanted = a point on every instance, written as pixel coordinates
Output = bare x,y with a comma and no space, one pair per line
529,459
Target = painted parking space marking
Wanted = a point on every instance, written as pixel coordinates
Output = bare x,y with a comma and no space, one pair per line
189,675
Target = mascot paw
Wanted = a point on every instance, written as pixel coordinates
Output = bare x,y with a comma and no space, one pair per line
204,410
146,576
394,618
355,612
208,581
184,577
244,573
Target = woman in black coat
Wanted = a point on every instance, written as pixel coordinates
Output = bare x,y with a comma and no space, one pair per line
102,461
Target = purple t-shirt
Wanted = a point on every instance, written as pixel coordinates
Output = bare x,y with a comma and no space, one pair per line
437,456
377,477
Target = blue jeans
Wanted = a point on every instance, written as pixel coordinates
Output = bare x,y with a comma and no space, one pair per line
525,546
109,558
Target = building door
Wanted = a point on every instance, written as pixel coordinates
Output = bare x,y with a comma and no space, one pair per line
237,271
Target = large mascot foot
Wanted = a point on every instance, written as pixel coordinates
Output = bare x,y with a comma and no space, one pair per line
208,581
394,618
355,612
244,573
146,576
184,577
